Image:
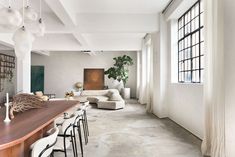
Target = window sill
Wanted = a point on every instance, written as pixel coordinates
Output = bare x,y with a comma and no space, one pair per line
190,84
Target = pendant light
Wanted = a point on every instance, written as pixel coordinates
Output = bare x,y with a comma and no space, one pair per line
41,25
23,40
29,13
10,18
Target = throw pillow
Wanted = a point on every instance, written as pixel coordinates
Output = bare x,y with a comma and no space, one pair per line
110,93
115,97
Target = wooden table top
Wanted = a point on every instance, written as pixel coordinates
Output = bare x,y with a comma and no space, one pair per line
29,122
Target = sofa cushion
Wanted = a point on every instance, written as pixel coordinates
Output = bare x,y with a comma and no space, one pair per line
92,100
115,97
111,104
95,99
102,98
94,92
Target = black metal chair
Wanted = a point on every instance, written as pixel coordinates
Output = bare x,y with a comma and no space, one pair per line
66,137
44,146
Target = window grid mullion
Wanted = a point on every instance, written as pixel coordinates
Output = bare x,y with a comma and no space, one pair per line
191,44
199,5
185,47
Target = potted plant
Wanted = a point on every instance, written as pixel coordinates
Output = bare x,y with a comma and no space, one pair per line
120,72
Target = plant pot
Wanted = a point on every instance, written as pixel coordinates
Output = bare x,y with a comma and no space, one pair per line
126,93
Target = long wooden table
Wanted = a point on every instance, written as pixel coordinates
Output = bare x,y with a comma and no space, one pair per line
26,128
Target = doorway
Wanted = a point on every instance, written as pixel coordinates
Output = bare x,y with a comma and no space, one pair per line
37,78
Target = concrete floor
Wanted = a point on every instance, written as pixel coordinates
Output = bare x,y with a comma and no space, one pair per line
132,132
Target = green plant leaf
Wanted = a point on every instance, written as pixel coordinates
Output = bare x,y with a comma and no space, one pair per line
120,69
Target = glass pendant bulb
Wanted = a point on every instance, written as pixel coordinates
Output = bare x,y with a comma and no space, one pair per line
23,40
41,28
30,14
10,18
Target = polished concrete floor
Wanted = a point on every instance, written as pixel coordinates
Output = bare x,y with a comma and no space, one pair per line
131,132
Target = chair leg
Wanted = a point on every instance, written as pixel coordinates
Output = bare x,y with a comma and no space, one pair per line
52,154
86,126
84,130
65,152
75,142
86,123
71,135
80,138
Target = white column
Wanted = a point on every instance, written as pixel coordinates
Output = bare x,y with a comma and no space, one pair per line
24,74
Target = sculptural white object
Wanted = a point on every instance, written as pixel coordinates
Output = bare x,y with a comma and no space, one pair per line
7,119
23,40
10,18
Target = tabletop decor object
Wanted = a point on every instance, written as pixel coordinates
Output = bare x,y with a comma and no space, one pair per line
7,119
23,102
69,95
79,86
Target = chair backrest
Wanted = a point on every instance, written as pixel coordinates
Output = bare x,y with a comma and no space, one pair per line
78,114
67,124
44,146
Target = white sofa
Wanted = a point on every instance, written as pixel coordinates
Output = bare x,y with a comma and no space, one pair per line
106,99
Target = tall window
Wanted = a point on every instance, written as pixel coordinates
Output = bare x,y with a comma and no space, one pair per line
191,45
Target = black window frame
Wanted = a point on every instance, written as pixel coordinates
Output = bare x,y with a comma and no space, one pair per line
187,54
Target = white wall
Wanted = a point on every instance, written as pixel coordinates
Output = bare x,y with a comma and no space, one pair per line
185,106
184,102
229,42
64,69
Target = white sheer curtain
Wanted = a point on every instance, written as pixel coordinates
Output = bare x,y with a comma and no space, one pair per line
214,136
145,75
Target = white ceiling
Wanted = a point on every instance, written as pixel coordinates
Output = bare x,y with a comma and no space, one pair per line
116,6
108,25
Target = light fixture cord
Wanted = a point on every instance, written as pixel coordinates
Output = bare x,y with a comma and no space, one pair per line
27,3
40,12
9,3
23,13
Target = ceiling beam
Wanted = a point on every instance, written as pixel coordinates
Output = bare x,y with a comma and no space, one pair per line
44,53
67,18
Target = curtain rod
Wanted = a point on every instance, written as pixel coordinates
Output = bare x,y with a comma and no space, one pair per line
168,5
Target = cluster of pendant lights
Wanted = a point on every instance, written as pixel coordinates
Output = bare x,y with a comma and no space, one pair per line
17,20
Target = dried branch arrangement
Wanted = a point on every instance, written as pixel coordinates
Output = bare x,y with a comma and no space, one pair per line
23,102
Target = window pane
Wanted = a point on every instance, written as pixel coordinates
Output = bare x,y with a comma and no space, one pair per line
194,63
202,48
202,76
202,62
196,50
202,34
197,9
196,20
197,76
202,6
